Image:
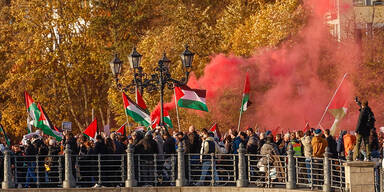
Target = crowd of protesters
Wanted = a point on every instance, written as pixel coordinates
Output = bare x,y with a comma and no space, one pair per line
43,152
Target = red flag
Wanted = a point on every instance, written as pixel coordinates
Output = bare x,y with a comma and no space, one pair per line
140,101
121,130
247,86
216,131
91,130
28,99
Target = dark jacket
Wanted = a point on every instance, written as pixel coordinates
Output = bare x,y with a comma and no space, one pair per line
362,124
195,142
100,147
253,145
146,146
340,143
332,145
169,146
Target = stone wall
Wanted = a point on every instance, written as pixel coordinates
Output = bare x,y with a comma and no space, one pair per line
359,176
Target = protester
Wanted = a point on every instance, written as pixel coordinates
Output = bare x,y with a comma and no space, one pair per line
363,130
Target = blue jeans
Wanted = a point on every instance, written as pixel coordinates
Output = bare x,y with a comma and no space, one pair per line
205,168
308,166
30,173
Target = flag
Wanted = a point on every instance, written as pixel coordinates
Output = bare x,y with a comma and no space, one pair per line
46,126
121,130
155,117
91,130
5,136
140,102
191,98
339,107
216,131
245,101
136,112
32,109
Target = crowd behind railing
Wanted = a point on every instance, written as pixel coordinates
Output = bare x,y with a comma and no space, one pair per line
209,159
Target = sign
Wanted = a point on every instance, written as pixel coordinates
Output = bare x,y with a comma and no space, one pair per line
67,126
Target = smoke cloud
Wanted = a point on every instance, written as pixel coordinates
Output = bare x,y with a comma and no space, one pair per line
290,84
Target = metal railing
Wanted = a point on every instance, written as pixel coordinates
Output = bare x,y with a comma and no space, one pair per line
211,169
266,171
337,174
309,172
38,171
103,169
155,169
131,169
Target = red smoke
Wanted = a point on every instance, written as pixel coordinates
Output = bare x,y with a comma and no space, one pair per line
290,85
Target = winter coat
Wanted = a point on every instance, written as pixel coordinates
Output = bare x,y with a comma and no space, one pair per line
195,142
318,145
340,143
307,144
268,149
169,146
235,144
100,147
160,144
332,145
362,124
253,145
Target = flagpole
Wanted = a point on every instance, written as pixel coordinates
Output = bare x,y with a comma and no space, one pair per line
333,96
238,125
177,109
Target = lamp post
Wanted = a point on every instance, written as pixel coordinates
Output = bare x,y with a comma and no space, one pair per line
158,80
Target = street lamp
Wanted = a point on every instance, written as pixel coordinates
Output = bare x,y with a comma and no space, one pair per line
158,80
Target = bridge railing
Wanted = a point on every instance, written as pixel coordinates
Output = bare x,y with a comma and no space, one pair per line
130,169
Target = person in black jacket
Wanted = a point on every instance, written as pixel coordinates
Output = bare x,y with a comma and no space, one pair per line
363,130
332,145
169,144
30,152
100,147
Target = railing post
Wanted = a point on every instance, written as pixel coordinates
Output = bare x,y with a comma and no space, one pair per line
242,180
69,179
181,180
291,184
7,183
327,171
131,181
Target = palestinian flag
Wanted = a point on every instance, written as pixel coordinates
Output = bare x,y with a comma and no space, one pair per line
5,136
140,102
91,130
216,131
155,117
32,109
121,130
339,107
46,126
245,101
136,112
191,98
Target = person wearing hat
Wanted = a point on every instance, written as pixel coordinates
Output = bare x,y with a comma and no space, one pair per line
318,144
